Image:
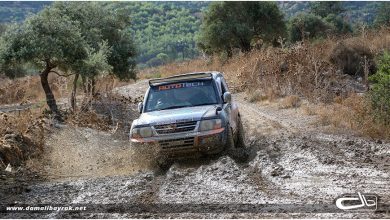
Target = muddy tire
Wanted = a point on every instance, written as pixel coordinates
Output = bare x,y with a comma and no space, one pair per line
240,140
239,155
230,145
164,163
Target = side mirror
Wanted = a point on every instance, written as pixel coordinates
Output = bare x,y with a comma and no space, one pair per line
140,107
227,97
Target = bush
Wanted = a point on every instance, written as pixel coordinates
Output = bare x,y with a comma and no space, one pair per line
350,58
307,26
338,24
230,26
380,90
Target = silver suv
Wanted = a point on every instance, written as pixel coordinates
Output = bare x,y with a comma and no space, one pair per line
188,115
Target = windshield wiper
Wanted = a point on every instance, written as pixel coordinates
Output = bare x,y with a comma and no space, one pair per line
175,106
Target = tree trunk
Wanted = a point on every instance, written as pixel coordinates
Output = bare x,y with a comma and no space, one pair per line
84,83
74,89
93,86
50,100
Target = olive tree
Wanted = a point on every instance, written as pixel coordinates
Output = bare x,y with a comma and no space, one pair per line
233,25
74,38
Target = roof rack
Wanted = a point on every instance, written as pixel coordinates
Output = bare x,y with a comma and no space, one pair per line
178,78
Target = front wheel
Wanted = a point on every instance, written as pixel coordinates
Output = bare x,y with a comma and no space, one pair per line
164,163
240,140
239,155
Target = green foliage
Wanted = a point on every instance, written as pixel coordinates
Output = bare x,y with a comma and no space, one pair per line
380,90
324,18
102,26
324,8
233,25
383,15
48,37
79,37
170,27
338,24
163,27
355,11
307,26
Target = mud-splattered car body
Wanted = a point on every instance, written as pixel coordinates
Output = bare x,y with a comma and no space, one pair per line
187,130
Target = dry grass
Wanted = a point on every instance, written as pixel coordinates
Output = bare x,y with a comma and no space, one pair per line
308,110
300,70
256,96
353,113
21,136
29,90
89,119
291,101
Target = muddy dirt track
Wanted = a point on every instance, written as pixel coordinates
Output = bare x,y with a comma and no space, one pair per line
296,168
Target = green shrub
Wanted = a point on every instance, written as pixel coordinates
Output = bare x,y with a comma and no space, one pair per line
307,26
228,26
380,90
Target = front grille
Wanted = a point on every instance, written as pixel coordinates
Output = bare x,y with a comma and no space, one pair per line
177,143
175,127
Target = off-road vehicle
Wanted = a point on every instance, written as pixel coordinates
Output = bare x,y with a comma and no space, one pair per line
188,115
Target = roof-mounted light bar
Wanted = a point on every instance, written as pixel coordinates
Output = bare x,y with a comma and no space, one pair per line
179,78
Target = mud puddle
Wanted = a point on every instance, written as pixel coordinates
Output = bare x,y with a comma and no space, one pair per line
289,164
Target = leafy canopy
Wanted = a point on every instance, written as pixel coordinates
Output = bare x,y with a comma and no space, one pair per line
324,18
233,25
79,37
324,8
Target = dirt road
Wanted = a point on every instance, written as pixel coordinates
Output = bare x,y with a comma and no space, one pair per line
296,168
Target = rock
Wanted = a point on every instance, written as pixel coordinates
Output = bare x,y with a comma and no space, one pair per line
367,160
277,171
8,168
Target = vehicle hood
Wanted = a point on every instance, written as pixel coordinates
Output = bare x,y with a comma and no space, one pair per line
179,114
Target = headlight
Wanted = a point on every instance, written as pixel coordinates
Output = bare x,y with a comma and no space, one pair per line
207,125
143,132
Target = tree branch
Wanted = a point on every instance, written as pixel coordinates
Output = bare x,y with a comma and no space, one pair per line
64,75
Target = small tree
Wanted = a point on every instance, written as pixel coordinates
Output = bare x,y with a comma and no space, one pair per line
49,41
80,38
307,26
338,24
232,25
380,90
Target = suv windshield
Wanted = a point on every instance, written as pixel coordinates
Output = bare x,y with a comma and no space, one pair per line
180,95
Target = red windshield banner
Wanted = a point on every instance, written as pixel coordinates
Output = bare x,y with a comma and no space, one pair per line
180,85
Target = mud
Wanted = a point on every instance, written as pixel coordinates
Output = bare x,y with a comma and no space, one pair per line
293,162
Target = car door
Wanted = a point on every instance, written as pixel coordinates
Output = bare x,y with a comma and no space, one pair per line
229,108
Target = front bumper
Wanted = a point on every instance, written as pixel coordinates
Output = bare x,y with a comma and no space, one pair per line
187,143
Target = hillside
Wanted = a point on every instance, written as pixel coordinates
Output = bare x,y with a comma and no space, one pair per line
165,31
15,11
354,11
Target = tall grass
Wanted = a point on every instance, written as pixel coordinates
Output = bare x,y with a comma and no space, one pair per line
305,69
